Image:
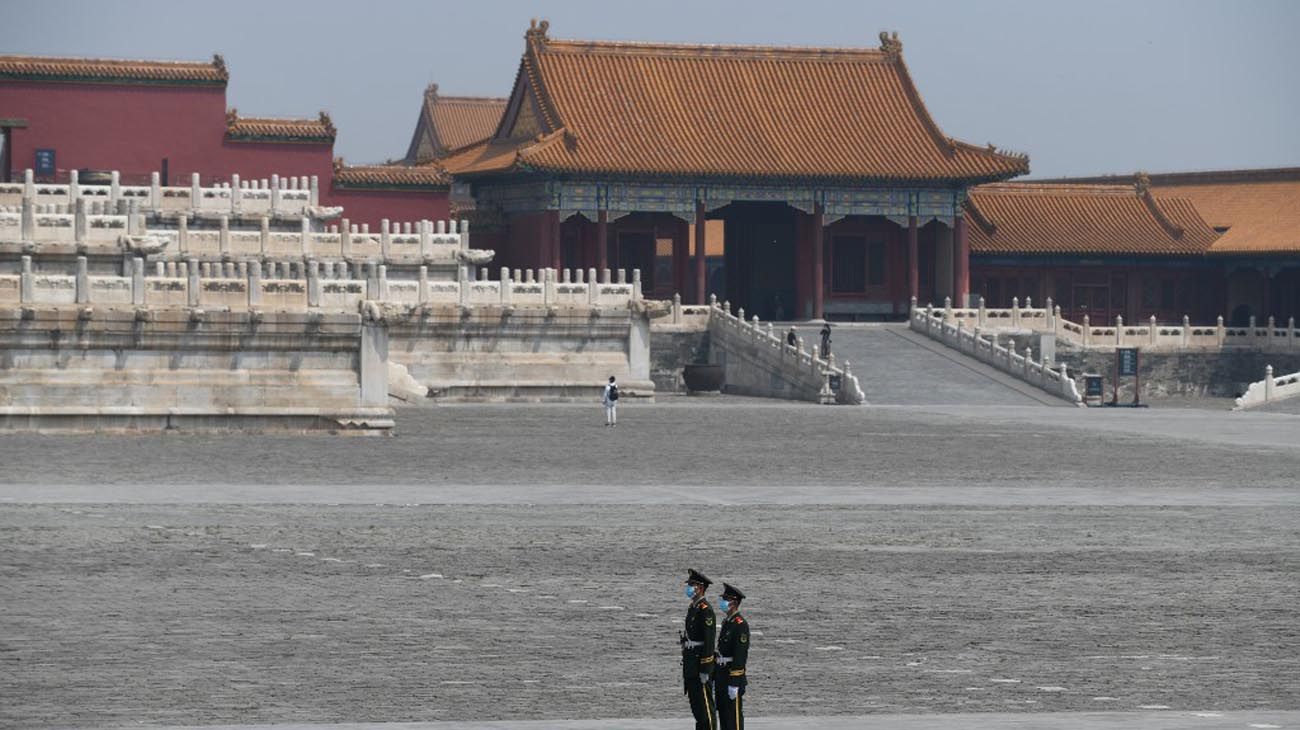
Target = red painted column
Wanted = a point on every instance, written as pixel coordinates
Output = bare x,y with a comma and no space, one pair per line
913,262
819,276
553,233
681,257
961,262
602,240
701,242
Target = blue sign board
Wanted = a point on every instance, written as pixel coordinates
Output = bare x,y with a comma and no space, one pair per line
45,162
1128,361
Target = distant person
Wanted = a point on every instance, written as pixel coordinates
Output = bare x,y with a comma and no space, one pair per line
792,337
733,652
610,401
697,650
826,341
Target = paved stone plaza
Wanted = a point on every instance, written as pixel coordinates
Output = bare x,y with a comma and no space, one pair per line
1052,566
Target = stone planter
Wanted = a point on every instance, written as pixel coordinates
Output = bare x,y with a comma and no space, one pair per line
703,378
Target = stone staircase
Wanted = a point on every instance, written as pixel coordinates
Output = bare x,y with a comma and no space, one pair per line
899,367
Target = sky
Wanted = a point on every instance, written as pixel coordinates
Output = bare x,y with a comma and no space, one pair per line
1085,87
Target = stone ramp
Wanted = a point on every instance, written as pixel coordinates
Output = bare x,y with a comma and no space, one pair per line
899,367
1148,720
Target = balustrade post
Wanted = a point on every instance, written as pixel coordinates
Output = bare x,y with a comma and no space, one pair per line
947,309
385,240
1271,330
313,283
275,193
677,308
507,282
74,186
29,218
1220,334
83,281
265,236
980,317
1050,323
26,284
1087,331
79,220
1154,333
593,287
254,284
192,286
1187,330
1015,311
137,282
114,187
196,192
1268,383
223,238
1119,330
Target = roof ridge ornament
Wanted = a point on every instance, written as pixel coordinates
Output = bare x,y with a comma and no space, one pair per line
1142,183
431,91
219,62
1142,186
232,116
328,124
537,30
890,44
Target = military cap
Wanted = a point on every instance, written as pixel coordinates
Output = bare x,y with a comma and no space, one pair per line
695,576
731,592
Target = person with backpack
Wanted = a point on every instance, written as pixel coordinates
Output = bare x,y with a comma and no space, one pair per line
610,401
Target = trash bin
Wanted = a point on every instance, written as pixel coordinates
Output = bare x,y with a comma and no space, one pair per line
1092,389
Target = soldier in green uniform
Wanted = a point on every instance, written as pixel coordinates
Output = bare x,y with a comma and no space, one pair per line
697,650
733,652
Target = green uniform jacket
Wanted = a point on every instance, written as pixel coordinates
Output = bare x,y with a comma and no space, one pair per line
733,641
701,627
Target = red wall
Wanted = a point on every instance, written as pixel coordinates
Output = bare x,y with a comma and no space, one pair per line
372,206
128,128
132,128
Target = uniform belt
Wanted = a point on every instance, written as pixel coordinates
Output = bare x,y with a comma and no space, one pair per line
723,660
692,644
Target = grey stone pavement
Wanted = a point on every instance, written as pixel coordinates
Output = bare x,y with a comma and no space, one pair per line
1147,720
947,564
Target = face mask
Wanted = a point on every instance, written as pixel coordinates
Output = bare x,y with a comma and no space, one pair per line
690,591
724,604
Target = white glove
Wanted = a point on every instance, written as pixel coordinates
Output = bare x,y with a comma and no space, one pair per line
732,692
704,678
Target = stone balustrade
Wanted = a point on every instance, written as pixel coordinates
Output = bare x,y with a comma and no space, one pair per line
300,286
275,197
757,361
955,333
57,228
1269,390
1150,335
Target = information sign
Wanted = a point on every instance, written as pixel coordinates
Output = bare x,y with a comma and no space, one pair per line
1128,361
45,162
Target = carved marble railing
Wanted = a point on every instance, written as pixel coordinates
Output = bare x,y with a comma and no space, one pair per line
758,361
1269,390
302,286
275,197
90,228
1150,335
957,335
